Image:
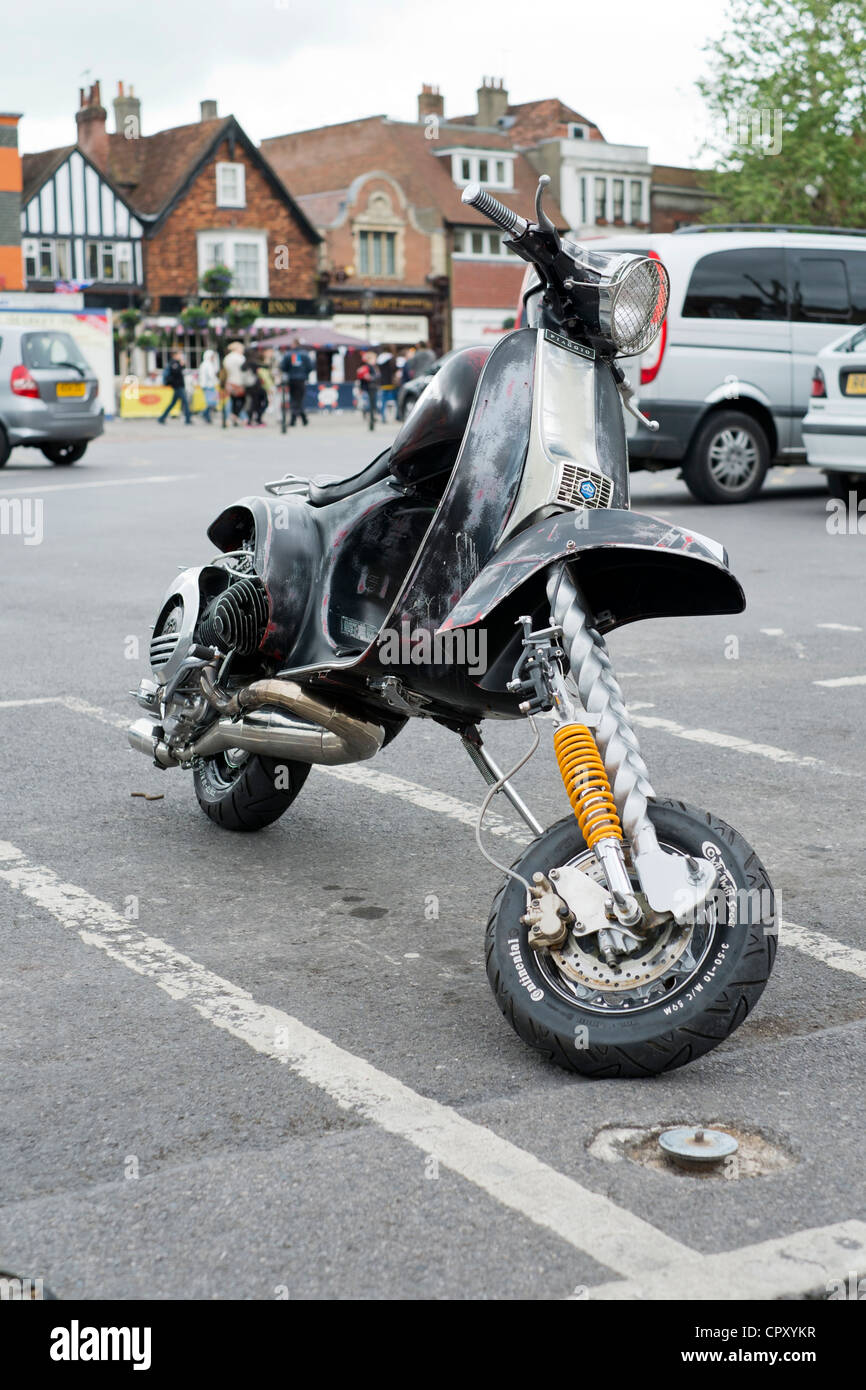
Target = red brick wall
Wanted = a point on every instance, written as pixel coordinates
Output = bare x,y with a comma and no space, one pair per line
486,284
416,246
171,256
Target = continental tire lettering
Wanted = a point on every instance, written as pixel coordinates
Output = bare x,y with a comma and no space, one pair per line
523,974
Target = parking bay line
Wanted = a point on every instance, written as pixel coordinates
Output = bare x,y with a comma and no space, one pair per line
512,1176
834,954
804,1263
38,490
842,680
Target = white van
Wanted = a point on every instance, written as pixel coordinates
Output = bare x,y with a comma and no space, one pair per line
729,377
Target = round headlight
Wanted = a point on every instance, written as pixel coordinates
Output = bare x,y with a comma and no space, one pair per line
639,304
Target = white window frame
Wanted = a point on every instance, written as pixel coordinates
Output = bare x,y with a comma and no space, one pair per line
574,127
225,199
31,248
474,158
486,254
228,239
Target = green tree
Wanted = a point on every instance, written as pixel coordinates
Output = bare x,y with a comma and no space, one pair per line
786,92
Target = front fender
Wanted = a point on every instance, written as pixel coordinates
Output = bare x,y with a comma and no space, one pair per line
628,566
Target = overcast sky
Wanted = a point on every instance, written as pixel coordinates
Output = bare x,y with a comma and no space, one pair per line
282,65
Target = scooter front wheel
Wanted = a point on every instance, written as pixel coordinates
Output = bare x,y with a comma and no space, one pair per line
680,995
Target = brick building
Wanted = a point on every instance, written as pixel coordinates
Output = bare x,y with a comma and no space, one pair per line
405,258
138,218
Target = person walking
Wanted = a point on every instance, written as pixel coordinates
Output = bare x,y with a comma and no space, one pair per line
296,367
173,376
208,375
233,365
369,378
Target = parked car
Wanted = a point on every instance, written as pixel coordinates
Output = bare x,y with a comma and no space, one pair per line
49,395
729,378
834,430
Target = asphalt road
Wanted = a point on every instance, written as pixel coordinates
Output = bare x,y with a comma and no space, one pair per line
264,1067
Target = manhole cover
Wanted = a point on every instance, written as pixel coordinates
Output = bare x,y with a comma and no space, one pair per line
755,1155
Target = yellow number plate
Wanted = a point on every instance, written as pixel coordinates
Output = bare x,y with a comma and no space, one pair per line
78,388
855,384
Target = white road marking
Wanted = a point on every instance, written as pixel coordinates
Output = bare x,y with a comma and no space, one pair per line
842,680
515,1178
427,799
826,949
105,482
839,627
773,631
739,745
783,1268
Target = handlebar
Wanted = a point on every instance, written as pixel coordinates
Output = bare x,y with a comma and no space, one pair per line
496,212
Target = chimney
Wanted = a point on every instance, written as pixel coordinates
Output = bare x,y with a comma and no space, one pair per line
492,101
208,110
430,103
127,113
90,119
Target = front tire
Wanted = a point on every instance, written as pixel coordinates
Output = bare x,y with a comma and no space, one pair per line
246,794
616,1038
728,460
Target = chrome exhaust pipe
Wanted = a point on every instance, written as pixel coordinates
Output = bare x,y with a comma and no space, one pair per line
276,735
312,731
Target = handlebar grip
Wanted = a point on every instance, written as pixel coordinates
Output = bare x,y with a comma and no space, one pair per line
496,212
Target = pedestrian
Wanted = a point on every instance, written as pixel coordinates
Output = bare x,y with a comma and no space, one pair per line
257,395
296,367
422,360
369,377
233,365
173,376
208,375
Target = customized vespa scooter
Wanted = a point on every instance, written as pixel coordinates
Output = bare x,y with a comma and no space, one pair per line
472,571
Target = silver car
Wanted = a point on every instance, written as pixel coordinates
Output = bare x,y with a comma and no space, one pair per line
49,394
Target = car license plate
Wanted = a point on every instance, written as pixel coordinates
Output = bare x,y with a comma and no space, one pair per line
78,388
855,384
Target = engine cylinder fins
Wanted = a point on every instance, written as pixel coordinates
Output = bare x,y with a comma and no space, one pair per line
235,621
586,783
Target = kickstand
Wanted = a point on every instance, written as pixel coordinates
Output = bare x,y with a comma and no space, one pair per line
472,742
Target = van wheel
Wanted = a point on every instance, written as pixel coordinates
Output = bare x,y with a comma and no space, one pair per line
728,460
5,447
65,453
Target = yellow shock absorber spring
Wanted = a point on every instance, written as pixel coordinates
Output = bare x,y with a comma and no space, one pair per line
586,783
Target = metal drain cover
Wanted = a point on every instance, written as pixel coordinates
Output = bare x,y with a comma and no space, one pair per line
694,1146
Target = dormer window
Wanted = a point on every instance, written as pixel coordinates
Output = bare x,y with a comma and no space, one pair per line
231,186
481,166
577,131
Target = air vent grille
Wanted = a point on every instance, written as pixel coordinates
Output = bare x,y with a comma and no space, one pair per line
579,486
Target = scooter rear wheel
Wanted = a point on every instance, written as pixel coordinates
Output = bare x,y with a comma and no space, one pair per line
658,1014
241,792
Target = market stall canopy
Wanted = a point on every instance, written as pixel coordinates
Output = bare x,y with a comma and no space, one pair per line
310,337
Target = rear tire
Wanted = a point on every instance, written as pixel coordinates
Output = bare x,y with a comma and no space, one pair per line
702,1009
64,454
5,448
728,460
250,796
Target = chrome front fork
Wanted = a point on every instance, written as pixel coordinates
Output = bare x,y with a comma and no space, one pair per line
671,883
